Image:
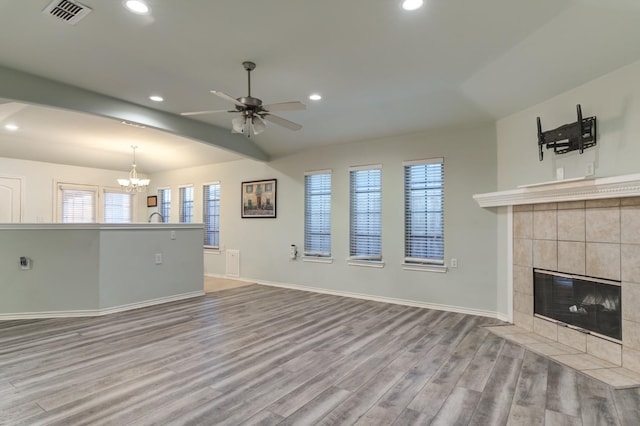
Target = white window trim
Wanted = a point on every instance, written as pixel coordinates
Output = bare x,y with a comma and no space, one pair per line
185,185
358,260
59,186
317,259
365,263
420,264
365,167
439,160
318,172
210,249
100,190
134,201
159,207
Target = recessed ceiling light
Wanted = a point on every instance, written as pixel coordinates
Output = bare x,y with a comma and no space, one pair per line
412,4
315,97
156,98
11,127
137,6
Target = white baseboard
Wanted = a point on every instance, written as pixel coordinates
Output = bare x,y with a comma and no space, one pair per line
502,317
99,312
439,307
229,277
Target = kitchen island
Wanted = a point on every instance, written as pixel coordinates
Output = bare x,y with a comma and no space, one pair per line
65,270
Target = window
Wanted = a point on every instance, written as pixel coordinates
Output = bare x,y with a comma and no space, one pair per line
164,203
186,204
317,214
211,214
118,207
366,213
78,203
424,211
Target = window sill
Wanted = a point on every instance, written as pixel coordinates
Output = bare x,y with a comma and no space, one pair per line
212,250
424,268
366,263
317,259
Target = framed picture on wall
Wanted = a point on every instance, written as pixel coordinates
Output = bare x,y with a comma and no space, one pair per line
259,199
152,201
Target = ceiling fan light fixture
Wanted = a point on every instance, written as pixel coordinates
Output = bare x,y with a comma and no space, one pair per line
238,124
257,125
412,4
138,7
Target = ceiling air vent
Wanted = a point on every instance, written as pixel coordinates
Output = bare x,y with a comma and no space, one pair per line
67,10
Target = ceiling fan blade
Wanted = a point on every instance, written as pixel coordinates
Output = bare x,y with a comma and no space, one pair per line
228,98
205,112
282,122
285,106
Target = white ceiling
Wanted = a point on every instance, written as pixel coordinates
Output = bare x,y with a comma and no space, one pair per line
381,70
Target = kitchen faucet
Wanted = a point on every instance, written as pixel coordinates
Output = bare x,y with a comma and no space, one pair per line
156,213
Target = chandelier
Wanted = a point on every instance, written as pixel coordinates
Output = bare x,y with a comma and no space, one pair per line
133,183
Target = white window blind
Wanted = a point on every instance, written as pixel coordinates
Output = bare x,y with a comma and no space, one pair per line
78,204
164,203
365,213
186,204
118,207
211,214
317,214
424,211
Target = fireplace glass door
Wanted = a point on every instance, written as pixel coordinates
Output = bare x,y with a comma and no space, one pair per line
578,301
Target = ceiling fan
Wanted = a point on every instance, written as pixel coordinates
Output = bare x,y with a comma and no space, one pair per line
253,113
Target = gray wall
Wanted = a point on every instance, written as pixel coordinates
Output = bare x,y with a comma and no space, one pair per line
128,273
94,267
470,232
64,275
613,98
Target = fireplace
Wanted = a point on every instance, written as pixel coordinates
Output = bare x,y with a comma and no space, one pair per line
583,302
585,228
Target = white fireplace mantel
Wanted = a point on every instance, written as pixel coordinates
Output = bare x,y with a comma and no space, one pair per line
564,190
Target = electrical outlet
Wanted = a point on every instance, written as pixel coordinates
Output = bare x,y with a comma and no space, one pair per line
589,169
25,263
560,173
158,258
173,235
454,262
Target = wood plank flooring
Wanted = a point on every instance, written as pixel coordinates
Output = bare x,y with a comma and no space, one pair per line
257,355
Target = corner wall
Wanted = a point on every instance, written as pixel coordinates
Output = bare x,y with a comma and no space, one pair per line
470,232
614,99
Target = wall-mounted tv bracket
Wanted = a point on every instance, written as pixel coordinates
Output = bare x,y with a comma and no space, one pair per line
569,137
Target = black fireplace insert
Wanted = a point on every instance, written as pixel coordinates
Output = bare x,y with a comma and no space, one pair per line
588,303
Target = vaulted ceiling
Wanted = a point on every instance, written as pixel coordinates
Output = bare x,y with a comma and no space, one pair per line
381,70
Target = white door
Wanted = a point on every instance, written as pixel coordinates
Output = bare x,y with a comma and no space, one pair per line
10,200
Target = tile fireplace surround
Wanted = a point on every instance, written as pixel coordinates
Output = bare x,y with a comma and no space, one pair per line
582,227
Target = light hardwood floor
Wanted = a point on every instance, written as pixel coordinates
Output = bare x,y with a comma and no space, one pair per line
212,284
260,355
